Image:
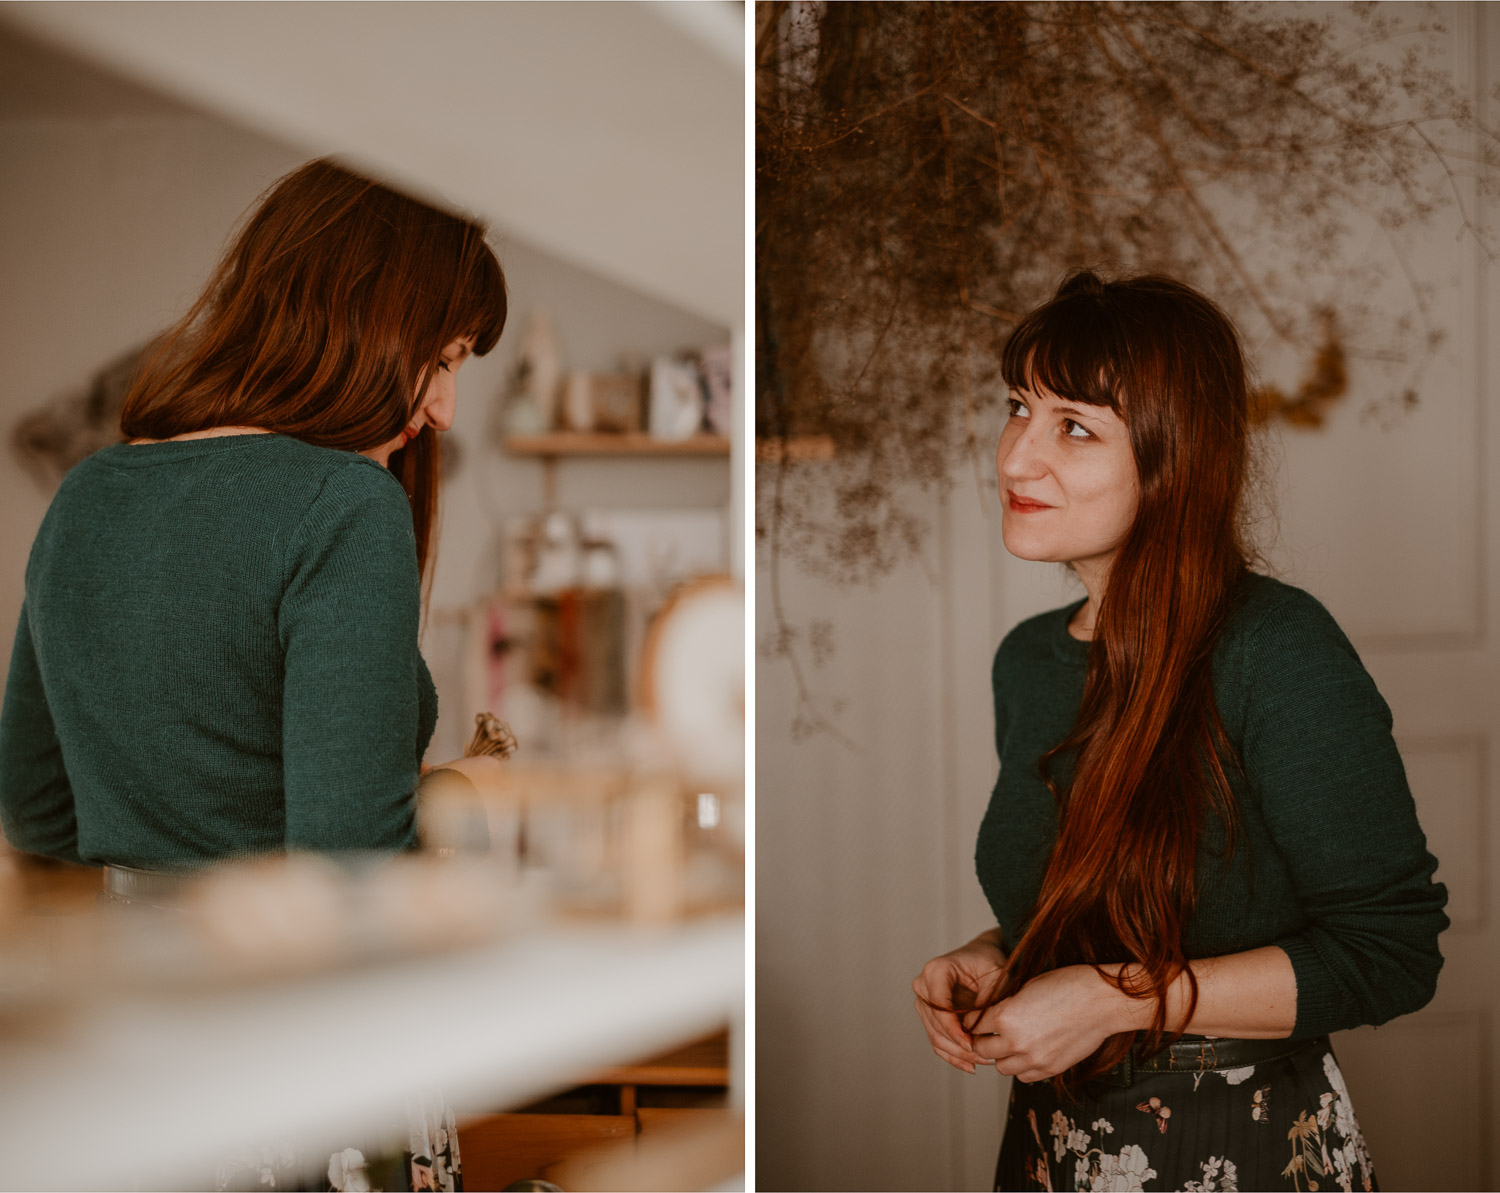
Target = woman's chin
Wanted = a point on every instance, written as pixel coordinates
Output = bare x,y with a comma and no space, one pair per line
1029,548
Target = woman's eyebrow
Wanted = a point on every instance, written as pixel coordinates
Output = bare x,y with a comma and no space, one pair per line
1088,413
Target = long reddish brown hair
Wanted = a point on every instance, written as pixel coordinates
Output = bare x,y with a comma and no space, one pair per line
326,316
1149,754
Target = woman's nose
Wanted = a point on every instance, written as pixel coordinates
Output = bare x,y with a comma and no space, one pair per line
1019,458
441,406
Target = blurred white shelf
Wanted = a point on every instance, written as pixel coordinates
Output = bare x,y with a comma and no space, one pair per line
153,1091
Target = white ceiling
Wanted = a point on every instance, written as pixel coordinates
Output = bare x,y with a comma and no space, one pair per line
609,134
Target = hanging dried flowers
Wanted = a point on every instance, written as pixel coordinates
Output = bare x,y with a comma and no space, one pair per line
926,172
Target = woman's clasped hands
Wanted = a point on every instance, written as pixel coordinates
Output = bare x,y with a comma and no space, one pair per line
954,985
1054,1021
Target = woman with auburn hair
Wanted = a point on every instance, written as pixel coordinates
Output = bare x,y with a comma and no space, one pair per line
217,652
1201,851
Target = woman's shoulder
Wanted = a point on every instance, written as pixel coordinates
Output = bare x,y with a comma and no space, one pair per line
330,465
346,472
1270,615
1280,641
348,494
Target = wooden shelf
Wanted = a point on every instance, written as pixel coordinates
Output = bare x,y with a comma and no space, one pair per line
572,443
703,1062
797,448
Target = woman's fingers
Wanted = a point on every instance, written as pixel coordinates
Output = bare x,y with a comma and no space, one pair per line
1002,1053
956,1053
1007,1059
943,1025
935,992
947,1023
951,990
988,988
985,1020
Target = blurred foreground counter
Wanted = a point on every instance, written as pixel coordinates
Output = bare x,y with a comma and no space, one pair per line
116,1084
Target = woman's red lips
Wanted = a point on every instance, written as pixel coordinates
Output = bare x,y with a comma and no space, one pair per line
1023,506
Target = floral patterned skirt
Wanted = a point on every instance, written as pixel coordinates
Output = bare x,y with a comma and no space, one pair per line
1284,1124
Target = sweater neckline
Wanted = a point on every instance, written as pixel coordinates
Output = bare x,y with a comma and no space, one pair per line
1064,645
128,454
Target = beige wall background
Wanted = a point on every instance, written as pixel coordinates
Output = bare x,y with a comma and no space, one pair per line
864,862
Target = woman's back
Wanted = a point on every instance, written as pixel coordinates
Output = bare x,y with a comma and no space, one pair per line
190,609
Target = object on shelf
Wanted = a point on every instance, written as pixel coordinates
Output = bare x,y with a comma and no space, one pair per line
530,395
520,552
658,549
578,651
676,404
556,651
558,555
718,387
693,678
601,564
654,855
634,841
606,402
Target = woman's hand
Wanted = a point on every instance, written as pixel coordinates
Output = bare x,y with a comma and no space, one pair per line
958,982
1054,1021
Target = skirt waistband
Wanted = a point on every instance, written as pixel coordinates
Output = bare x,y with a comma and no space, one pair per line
1206,1055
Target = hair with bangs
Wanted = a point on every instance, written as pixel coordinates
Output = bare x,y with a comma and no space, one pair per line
323,321
1149,784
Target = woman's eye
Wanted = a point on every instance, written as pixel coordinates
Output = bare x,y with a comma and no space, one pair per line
446,365
1075,430
1018,407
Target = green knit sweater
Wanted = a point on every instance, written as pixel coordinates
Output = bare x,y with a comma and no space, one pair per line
1331,865
217,655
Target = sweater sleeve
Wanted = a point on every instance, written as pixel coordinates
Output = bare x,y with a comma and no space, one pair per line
36,799
1320,757
348,624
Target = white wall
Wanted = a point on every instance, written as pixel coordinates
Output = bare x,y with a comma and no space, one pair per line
610,134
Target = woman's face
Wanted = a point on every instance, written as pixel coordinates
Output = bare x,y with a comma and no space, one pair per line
1068,481
438,403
